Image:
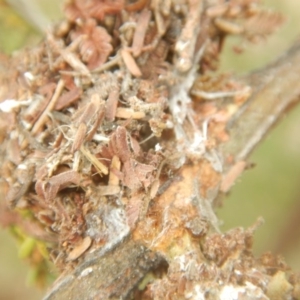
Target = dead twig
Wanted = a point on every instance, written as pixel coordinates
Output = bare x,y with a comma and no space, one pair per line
42,119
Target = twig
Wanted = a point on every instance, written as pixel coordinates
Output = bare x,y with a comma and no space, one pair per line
40,122
275,89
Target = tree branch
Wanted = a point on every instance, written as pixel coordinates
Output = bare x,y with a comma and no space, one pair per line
274,88
108,276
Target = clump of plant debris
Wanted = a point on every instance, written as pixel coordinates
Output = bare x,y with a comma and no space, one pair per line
111,127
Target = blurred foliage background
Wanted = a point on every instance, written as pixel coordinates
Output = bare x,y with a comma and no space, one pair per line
270,190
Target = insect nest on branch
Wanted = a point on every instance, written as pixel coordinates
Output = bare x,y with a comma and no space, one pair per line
111,126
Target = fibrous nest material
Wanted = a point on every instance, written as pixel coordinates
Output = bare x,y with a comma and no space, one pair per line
110,127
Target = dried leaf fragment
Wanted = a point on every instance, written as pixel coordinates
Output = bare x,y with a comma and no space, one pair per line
65,178
140,32
81,9
137,5
79,137
80,249
128,113
40,122
68,98
137,174
130,63
49,189
100,167
90,110
96,48
111,105
115,166
228,26
133,209
230,178
123,145
88,119
68,55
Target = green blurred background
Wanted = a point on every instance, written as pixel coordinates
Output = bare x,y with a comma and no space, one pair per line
270,190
